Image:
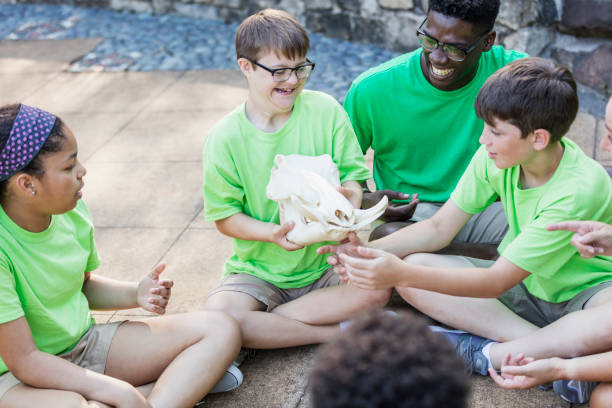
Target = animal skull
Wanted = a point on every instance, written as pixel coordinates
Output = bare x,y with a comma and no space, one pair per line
305,188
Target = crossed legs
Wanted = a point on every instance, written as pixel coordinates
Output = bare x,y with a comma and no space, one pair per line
185,355
310,319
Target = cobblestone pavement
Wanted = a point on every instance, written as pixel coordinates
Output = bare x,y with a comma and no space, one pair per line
144,42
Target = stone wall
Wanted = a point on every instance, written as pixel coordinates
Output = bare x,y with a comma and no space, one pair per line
576,33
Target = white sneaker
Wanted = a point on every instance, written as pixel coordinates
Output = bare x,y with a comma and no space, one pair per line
230,380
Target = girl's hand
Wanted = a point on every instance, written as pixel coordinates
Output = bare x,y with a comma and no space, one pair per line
523,372
372,268
279,236
153,292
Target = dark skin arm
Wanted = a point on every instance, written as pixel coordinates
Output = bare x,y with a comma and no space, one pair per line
402,212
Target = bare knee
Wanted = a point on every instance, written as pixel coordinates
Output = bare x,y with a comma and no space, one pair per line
602,396
75,400
374,299
218,323
420,258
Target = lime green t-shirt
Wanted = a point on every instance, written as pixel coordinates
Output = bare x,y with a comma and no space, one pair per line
423,138
41,277
238,158
580,189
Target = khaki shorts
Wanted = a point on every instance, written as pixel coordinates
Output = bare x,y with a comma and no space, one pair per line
268,294
90,352
538,311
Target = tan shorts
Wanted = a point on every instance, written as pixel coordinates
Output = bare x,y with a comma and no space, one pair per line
90,352
268,294
538,311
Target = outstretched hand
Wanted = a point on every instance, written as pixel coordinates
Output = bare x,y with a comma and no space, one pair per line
401,212
349,245
590,237
371,268
279,236
525,372
153,292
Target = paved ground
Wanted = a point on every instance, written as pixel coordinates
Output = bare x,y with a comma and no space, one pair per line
140,136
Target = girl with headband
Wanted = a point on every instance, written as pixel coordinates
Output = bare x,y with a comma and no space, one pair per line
52,352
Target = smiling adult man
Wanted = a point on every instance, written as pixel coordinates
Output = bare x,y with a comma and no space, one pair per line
416,111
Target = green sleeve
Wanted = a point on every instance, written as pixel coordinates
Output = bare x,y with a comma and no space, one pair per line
475,192
346,153
10,305
359,119
223,192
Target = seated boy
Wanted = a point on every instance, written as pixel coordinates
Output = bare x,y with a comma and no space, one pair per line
388,361
268,273
540,297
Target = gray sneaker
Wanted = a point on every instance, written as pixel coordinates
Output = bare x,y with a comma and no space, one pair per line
469,348
577,392
230,380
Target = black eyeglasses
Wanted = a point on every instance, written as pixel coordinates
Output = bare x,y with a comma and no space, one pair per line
454,52
282,74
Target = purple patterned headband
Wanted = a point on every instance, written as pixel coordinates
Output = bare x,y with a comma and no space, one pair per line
30,130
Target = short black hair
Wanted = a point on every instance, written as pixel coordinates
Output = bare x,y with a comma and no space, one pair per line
54,142
384,361
480,13
530,93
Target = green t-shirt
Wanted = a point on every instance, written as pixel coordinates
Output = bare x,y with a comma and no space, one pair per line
423,138
580,189
41,277
238,158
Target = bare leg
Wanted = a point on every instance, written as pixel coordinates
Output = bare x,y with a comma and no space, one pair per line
311,319
186,353
485,317
580,333
24,396
602,396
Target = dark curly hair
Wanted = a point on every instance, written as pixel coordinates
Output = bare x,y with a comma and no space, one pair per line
385,361
54,142
481,13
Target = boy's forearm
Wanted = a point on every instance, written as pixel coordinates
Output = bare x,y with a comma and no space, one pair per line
105,293
356,192
242,226
596,367
469,282
422,236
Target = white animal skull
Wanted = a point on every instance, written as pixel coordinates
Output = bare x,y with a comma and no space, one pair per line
305,189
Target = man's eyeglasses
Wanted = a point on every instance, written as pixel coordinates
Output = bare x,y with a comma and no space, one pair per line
453,52
282,74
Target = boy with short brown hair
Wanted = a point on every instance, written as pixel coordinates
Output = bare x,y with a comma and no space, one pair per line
267,272
540,297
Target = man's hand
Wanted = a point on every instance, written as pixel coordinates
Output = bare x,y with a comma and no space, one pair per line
401,212
590,237
348,246
153,292
372,268
279,236
523,372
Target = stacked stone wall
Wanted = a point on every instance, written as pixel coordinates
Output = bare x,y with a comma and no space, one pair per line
576,33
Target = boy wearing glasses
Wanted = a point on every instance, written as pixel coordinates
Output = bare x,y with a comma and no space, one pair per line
417,112
282,294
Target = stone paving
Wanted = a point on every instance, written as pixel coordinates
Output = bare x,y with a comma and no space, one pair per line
140,137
